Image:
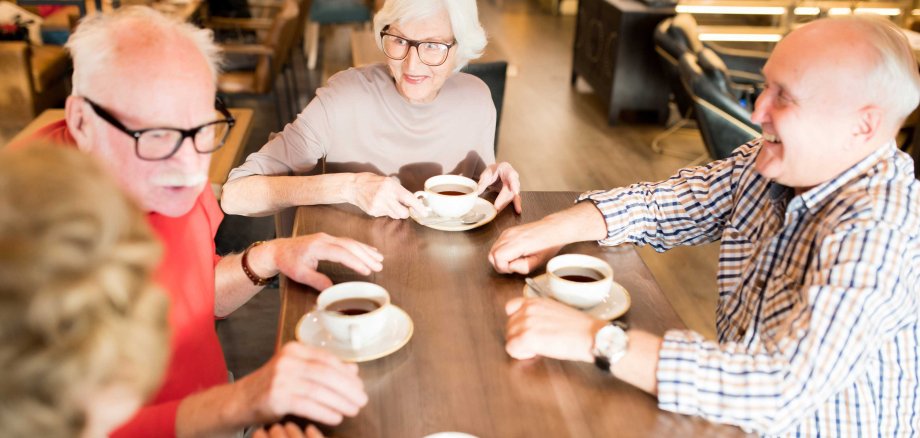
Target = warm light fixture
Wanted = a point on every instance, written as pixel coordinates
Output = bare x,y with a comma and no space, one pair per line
890,12
747,10
807,10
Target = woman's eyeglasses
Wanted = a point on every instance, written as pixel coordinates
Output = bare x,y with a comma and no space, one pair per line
431,53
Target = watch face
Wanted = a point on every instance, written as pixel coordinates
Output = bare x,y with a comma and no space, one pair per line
610,343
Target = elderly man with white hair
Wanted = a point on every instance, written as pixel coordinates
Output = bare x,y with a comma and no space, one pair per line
819,284
374,134
143,103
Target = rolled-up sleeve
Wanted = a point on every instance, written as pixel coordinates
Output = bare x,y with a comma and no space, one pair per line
688,208
295,150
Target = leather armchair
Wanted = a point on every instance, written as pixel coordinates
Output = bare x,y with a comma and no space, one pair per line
724,123
32,79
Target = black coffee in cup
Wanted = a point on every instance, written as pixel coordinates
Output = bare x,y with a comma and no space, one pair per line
578,274
451,190
353,306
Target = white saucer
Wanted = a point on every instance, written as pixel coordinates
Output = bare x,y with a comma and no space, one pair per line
482,206
613,307
396,333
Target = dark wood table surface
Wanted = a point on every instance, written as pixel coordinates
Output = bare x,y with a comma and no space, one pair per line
454,374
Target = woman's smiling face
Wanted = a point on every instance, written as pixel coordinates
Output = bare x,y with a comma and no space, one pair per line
415,80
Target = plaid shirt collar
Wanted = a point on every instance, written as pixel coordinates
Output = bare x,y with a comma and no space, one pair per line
782,196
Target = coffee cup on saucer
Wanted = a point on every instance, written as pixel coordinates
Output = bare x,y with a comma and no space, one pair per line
354,312
449,196
579,280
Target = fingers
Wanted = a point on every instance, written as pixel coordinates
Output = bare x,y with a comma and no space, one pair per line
316,411
288,430
516,330
303,352
312,278
513,305
409,200
505,196
367,255
321,387
486,178
357,256
518,208
313,432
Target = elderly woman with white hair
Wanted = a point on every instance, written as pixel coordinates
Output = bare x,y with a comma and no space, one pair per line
412,118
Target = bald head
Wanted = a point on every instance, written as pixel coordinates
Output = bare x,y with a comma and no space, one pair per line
866,56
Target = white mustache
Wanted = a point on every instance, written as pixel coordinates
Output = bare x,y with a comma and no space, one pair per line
178,179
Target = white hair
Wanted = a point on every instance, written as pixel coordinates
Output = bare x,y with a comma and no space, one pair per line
464,20
894,81
95,44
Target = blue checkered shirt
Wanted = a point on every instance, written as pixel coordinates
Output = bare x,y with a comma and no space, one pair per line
819,295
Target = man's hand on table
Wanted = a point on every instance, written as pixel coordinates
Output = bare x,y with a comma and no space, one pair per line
383,196
511,185
544,327
303,381
298,257
522,248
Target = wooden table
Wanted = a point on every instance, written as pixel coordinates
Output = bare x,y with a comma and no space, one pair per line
454,374
222,161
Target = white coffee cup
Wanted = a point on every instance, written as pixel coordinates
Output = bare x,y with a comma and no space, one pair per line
354,312
579,280
449,195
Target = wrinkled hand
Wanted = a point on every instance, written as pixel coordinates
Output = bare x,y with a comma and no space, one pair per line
289,430
544,327
298,257
304,381
511,185
525,247
383,196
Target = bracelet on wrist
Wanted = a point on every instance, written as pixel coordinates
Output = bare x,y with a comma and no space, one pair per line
253,277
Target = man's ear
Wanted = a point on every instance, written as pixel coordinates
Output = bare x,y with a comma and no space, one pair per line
77,123
868,124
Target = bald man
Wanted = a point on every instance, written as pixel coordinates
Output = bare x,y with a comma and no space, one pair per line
819,222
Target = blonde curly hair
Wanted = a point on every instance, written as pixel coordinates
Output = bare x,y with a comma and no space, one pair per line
78,311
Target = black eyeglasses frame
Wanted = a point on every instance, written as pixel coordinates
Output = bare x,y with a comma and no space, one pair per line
186,133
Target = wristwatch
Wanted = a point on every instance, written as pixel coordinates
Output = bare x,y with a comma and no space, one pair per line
610,345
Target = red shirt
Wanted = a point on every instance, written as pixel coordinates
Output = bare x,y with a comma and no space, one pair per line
186,273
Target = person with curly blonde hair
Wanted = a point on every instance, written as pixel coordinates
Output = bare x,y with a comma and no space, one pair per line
83,330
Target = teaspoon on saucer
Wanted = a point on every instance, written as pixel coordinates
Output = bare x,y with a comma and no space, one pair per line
467,219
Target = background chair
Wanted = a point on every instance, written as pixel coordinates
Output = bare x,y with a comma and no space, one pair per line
267,57
679,35
724,123
671,42
493,74
32,79
331,12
